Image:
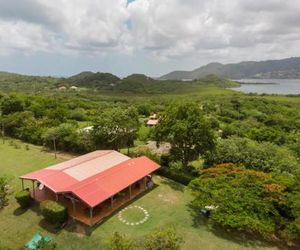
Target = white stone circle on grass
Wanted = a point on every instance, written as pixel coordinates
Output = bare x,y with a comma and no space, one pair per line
120,216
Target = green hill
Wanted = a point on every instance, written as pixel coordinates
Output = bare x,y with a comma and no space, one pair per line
12,81
97,80
81,76
107,82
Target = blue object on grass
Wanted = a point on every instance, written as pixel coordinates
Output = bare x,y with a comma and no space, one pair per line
47,238
33,243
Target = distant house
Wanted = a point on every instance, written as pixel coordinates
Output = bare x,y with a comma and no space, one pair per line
153,116
94,185
62,88
87,129
153,120
74,88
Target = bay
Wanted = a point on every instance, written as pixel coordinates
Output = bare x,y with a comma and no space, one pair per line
270,86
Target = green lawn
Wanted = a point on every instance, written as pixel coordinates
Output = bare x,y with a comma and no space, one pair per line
167,206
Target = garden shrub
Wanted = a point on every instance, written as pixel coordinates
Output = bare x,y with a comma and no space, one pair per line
166,239
176,175
45,245
53,212
23,198
3,192
144,152
120,242
165,160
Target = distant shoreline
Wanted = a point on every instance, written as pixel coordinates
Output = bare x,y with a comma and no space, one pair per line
258,83
269,86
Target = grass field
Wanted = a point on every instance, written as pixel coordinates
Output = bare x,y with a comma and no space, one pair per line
167,205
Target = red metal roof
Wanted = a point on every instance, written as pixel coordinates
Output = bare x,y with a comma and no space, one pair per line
56,180
104,185
98,187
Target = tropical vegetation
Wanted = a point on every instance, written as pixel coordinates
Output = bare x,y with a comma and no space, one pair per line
240,154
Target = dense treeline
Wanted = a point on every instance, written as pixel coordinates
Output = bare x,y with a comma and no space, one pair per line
106,83
44,120
27,117
11,81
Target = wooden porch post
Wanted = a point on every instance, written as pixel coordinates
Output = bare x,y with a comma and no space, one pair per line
56,197
111,202
130,192
22,184
91,215
145,182
33,189
74,208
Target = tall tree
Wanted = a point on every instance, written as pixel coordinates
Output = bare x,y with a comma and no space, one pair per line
116,128
187,130
242,199
264,156
11,104
52,135
64,137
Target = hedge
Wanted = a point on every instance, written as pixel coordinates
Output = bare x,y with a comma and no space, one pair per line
53,212
178,176
23,198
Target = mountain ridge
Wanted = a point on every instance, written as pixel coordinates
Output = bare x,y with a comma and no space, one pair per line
284,68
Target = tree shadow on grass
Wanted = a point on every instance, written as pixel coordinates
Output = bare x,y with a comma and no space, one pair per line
54,229
172,184
34,206
19,211
79,228
241,238
36,209
199,220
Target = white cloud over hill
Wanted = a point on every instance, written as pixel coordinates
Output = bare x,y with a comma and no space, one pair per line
165,29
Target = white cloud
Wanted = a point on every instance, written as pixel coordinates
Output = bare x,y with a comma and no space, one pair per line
167,29
92,26
23,37
68,25
174,28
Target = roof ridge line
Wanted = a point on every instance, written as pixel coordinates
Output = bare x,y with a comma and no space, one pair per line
103,173
90,159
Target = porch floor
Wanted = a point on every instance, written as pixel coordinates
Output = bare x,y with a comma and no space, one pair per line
82,212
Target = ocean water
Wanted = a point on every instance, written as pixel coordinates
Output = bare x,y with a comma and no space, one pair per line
271,86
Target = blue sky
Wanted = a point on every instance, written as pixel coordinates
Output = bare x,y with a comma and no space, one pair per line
142,36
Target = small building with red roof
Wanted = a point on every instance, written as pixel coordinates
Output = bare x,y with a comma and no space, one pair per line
94,185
